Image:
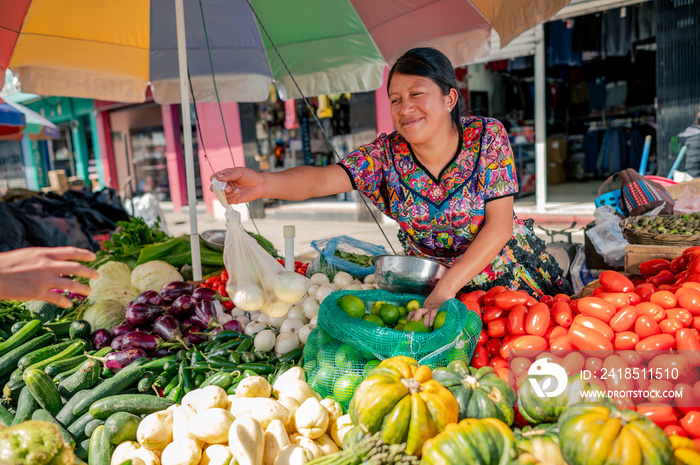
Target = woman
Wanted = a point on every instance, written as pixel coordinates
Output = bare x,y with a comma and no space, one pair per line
448,180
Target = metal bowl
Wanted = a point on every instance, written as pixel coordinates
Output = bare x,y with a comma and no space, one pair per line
214,239
407,274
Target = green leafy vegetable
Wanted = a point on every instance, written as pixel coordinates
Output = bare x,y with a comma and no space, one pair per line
358,259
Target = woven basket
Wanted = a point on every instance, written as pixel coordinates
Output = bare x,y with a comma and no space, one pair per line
637,237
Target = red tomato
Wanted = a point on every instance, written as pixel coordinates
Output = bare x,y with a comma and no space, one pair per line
615,364
652,267
634,298
493,313
660,413
617,299
529,343
562,313
205,285
562,298
221,289
473,307
612,281
561,343
556,332
625,340
672,288
688,344
519,366
588,340
548,300
687,398
692,278
506,347
574,306
498,362
689,299
652,309
645,290
597,291
475,296
631,357
593,364
691,424
595,324
573,363
497,327
682,315
490,296
670,326
663,298
675,430
680,277
645,326
537,320
480,358
694,265
696,322
516,320
663,277
593,306
493,346
656,342
509,299
690,252
624,319
483,338
210,280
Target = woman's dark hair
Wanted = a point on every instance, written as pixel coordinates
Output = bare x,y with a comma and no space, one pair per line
434,65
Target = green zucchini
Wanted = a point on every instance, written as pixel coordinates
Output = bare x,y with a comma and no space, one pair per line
75,348
122,380
92,426
59,328
121,426
138,404
9,361
11,390
81,450
65,415
20,337
26,405
77,428
6,416
42,354
58,379
44,415
59,366
18,325
85,377
101,449
79,329
44,390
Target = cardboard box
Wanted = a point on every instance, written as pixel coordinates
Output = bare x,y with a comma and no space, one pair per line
676,190
58,180
638,253
556,149
556,173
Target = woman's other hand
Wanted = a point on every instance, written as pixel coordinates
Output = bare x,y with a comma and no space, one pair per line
243,184
430,307
32,273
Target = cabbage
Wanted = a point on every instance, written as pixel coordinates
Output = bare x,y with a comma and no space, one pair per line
122,293
154,275
112,274
104,314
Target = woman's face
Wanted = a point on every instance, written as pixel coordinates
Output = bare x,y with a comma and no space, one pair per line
419,109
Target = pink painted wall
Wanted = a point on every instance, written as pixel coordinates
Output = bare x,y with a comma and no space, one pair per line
217,149
104,141
382,107
174,157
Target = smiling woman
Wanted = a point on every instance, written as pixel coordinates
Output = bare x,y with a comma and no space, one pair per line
447,179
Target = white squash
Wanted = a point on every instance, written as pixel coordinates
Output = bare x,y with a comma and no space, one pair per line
181,420
335,410
148,457
311,418
295,373
211,396
212,425
299,390
307,444
294,455
185,452
327,445
216,454
123,451
340,427
276,439
246,441
156,430
254,386
292,405
260,409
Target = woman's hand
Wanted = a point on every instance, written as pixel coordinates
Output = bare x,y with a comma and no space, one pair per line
32,273
243,184
431,306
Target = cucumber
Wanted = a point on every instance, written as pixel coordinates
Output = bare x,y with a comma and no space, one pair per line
43,415
26,405
72,350
61,376
101,449
65,415
24,334
42,354
85,377
8,362
77,428
122,380
121,426
92,426
59,366
146,382
79,329
44,390
81,450
138,404
13,385
5,417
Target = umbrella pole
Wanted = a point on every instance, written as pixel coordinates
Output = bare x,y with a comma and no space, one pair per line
187,130
540,122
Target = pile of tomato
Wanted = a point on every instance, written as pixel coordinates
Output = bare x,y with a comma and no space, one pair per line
659,310
299,267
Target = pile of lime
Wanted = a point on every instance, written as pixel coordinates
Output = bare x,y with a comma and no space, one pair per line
387,314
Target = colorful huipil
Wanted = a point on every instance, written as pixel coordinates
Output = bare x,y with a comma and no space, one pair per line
439,218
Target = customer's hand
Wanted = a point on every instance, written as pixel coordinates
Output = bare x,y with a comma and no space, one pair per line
244,184
32,273
430,307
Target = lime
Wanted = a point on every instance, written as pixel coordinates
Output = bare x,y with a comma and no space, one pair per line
310,365
374,319
345,386
439,320
403,311
326,355
413,305
376,307
389,314
319,338
325,377
352,305
402,320
399,327
415,326
346,355
369,366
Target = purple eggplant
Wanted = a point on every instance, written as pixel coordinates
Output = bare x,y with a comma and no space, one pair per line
150,298
234,325
194,335
205,310
204,293
140,314
168,327
122,329
182,306
139,340
115,361
194,320
101,338
175,289
164,352
117,342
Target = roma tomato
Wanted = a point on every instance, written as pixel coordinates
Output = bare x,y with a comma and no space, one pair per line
483,338
670,326
560,343
497,327
675,430
663,277
694,265
520,365
696,322
688,344
625,340
509,299
493,313
562,313
682,315
691,424
548,300
531,301
617,299
652,309
480,358
615,364
555,332
529,343
493,346
498,362
645,290
473,307
595,324
656,342
689,299
588,340
678,265
593,306
573,363
624,319
612,281
490,296
516,319
652,267
634,298
474,296
690,252
687,398
663,298
660,413
537,320
562,298
645,326
594,364
597,291
681,277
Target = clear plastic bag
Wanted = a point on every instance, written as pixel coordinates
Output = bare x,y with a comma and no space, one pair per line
329,263
606,236
256,280
688,202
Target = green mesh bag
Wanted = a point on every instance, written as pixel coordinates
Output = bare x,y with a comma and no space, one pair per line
341,350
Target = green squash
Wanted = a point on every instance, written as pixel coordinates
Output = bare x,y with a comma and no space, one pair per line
538,445
595,433
537,410
480,393
487,441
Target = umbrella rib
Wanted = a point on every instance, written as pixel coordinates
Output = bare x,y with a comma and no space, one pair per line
9,29
79,39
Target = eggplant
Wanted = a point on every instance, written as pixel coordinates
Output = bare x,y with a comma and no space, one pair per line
194,335
194,320
175,289
169,328
140,314
117,342
205,311
182,306
204,293
163,352
140,340
149,297
115,361
101,338
234,325
122,329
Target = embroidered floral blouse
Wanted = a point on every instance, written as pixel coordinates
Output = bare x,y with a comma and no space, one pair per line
440,216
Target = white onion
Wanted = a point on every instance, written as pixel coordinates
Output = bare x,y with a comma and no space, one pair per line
320,278
276,322
342,280
310,308
354,287
257,316
312,290
357,281
268,282
367,287
304,332
265,340
291,286
254,327
249,298
277,309
286,342
313,321
236,312
291,325
297,312
370,279
243,321
324,291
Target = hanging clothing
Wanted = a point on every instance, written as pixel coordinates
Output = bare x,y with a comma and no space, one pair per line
559,49
439,217
586,34
617,31
591,150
